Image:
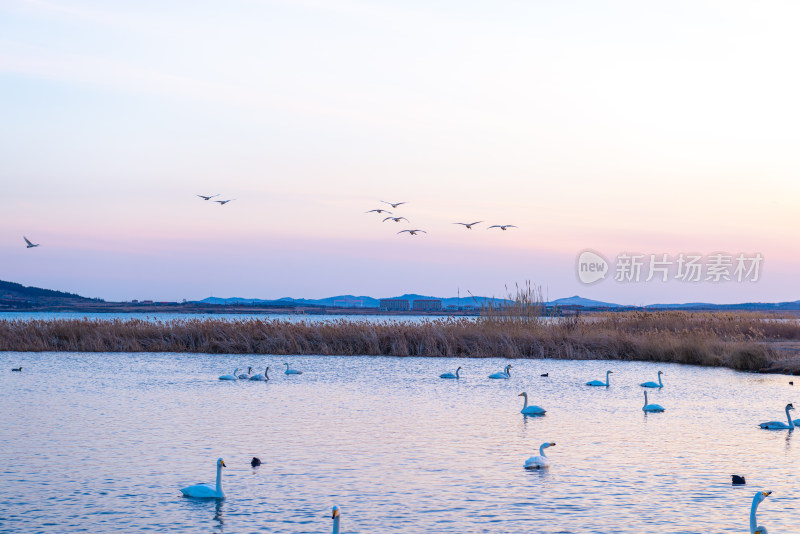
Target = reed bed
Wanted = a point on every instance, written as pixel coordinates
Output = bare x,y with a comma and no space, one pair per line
735,340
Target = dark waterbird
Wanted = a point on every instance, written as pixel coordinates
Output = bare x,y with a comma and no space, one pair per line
17,369
255,462
545,374
736,480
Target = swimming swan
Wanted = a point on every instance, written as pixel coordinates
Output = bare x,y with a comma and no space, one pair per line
541,461
651,407
230,377
450,375
335,516
207,491
505,374
246,376
654,384
530,410
777,425
598,382
760,496
261,377
291,371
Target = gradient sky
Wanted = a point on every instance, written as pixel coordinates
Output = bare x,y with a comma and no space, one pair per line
655,127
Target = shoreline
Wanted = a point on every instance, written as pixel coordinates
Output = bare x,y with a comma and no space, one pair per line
740,341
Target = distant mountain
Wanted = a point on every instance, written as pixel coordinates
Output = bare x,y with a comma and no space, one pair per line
755,306
347,301
11,292
237,301
580,301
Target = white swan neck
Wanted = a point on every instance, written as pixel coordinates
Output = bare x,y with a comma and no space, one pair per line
645,400
219,477
608,373
660,384
336,525
753,508
789,418
541,450
457,370
525,396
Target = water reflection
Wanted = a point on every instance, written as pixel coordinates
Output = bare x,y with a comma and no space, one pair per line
218,514
387,441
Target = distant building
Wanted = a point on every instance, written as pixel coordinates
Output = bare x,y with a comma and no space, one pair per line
427,305
394,305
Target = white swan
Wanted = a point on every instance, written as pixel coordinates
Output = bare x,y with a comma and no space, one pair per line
777,425
289,371
541,461
654,384
530,410
760,496
505,374
230,377
335,516
207,491
651,407
246,376
598,382
261,377
450,375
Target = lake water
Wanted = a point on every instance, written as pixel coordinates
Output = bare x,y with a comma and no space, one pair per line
103,442
163,317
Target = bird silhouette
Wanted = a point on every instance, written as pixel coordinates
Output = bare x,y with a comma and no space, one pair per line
412,232
502,226
395,219
209,197
223,202
379,211
469,225
30,245
393,204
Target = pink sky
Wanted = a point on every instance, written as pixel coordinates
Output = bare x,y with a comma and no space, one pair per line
610,126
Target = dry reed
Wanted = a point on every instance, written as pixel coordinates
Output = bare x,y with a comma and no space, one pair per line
734,340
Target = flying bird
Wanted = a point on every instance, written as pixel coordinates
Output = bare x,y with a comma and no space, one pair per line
502,226
30,245
204,197
395,219
469,225
379,211
394,204
412,232
223,202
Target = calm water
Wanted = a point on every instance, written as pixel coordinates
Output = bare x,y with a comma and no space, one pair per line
291,317
103,442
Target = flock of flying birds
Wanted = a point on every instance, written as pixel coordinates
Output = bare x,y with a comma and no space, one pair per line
416,231
394,205
220,202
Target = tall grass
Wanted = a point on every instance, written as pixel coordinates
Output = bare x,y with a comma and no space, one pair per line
526,306
735,340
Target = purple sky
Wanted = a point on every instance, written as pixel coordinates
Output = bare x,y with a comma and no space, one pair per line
611,126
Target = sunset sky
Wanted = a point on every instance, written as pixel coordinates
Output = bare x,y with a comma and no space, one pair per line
650,127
